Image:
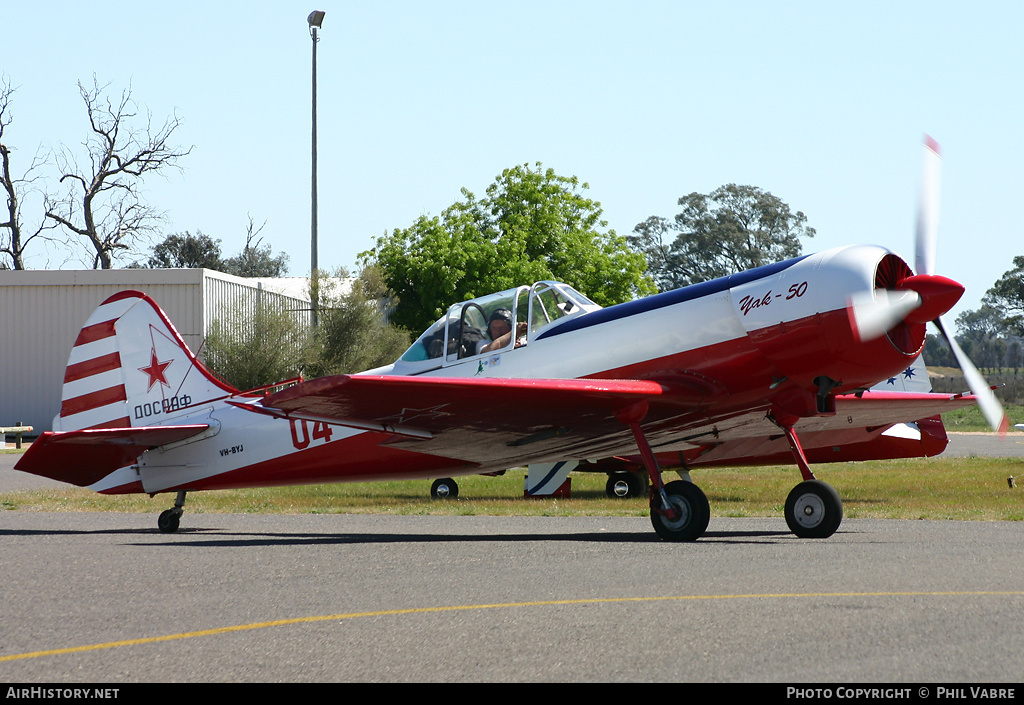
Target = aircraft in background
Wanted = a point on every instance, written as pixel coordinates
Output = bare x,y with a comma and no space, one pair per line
770,365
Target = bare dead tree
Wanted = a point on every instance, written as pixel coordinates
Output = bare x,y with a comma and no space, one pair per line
103,203
252,233
13,242
256,260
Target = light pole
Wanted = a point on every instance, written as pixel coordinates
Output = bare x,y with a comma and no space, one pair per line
315,20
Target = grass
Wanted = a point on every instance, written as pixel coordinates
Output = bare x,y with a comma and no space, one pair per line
922,488
931,488
969,419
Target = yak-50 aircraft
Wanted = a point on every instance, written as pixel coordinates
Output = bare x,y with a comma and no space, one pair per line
765,366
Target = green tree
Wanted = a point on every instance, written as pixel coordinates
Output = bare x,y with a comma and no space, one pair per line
258,345
731,229
353,334
200,250
985,322
1007,297
256,261
937,352
532,224
981,335
185,250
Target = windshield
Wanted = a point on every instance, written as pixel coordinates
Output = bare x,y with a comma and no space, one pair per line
466,328
497,322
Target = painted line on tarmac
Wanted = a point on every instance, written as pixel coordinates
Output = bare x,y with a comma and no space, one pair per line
503,605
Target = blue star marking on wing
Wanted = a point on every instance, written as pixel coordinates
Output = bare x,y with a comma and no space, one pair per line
908,373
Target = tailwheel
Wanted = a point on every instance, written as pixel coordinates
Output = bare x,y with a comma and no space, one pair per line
444,488
692,513
169,519
814,510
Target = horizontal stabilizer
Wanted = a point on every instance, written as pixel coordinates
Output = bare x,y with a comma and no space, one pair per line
87,456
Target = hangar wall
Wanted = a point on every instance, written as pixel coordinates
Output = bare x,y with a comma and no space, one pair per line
41,313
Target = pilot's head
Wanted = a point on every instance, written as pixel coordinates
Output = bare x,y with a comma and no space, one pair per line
500,323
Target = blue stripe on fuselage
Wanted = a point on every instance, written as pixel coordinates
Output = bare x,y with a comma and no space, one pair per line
668,298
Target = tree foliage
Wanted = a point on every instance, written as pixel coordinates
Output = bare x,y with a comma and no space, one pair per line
200,250
353,335
731,229
532,224
271,345
186,251
981,335
990,335
1007,296
257,345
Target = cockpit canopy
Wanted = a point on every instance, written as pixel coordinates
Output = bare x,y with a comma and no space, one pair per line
476,327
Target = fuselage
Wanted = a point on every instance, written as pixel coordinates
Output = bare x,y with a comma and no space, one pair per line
777,338
774,333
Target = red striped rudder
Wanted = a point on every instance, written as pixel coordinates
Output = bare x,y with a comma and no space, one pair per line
130,367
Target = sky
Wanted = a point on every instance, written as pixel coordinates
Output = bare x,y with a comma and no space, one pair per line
823,104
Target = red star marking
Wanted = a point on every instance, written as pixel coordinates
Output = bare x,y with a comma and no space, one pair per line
156,372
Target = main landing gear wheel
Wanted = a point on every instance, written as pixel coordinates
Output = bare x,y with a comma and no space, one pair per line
693,510
444,488
814,510
623,485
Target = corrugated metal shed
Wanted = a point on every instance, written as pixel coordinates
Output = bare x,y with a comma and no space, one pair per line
41,313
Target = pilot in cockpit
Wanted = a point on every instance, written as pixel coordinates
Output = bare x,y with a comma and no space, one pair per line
499,327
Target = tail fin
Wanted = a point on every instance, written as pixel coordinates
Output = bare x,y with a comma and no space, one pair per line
913,379
130,367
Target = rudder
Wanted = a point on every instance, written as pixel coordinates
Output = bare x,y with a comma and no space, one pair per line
130,367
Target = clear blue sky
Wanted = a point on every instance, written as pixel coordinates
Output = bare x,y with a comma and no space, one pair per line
823,104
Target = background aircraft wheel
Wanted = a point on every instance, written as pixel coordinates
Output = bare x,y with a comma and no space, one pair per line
444,488
694,513
626,484
814,510
168,521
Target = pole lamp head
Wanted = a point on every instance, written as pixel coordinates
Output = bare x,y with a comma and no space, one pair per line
315,19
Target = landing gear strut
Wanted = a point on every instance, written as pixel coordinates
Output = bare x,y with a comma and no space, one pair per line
813,508
170,518
679,510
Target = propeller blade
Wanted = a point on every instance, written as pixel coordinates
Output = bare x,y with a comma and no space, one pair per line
928,209
873,314
987,401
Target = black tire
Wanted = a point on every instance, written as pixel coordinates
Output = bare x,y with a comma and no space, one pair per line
444,488
624,485
814,510
168,521
692,504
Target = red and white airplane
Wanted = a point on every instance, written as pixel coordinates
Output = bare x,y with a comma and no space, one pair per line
765,366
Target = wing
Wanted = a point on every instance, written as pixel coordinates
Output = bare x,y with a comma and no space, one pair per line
874,425
493,423
501,423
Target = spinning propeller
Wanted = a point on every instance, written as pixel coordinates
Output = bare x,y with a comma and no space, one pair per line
925,296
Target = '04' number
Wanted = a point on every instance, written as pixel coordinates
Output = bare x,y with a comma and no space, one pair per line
301,437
